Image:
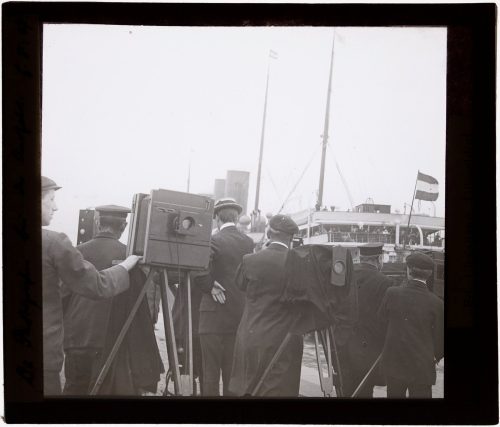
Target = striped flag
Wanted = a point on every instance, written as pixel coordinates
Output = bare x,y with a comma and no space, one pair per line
273,54
427,187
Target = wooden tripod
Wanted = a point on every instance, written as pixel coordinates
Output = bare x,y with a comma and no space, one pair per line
183,384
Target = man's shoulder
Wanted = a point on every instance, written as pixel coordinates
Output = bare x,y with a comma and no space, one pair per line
54,237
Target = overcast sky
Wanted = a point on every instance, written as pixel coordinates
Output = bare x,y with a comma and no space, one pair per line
124,109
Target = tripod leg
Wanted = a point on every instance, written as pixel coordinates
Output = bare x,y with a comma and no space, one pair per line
121,336
169,331
272,363
340,392
188,378
326,384
363,381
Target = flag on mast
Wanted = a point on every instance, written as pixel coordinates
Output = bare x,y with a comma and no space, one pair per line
273,54
427,187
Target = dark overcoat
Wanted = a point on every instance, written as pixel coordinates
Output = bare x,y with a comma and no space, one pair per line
86,320
414,338
265,323
61,262
227,248
367,341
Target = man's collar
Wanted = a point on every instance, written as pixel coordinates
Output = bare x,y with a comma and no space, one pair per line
279,243
107,234
419,282
227,224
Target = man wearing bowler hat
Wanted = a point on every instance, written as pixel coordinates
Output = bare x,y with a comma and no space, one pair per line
221,305
266,321
414,339
365,345
86,320
61,262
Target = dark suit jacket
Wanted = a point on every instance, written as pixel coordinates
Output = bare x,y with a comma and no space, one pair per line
415,330
227,248
86,320
265,322
62,262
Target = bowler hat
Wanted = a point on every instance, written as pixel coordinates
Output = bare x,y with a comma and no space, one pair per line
283,223
49,184
112,211
420,260
227,202
371,249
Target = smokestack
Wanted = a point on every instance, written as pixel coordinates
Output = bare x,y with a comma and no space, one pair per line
237,187
219,189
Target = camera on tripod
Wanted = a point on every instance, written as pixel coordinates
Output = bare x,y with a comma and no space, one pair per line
171,229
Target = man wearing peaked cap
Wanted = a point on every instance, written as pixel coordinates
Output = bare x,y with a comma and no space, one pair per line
365,344
283,224
86,320
415,332
61,262
221,304
49,184
266,320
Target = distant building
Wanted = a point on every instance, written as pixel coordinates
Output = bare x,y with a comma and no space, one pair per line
219,189
237,187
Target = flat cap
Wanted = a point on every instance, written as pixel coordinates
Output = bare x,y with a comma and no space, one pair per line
371,249
420,260
112,211
49,184
283,223
226,202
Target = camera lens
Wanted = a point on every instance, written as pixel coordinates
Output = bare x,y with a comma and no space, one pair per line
187,223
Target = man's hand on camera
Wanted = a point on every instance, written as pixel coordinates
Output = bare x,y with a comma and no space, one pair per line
218,293
130,262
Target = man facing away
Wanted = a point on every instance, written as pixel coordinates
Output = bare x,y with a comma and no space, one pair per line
266,320
61,262
86,320
365,345
414,339
221,305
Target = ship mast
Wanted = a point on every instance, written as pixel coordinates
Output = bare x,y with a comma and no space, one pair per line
256,213
319,202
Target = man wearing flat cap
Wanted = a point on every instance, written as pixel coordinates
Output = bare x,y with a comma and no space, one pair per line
365,345
221,305
61,262
86,320
414,339
266,321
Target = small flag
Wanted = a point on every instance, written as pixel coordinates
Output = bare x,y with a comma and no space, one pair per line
427,187
273,54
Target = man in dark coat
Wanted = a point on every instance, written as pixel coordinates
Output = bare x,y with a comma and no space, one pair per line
366,344
414,339
86,320
266,320
61,262
221,305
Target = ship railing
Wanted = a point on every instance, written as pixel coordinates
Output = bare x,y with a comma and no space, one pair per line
361,237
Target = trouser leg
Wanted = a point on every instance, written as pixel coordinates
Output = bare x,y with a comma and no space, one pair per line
78,367
211,352
396,388
51,383
420,391
227,362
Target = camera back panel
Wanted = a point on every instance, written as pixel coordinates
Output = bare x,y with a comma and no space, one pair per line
171,229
